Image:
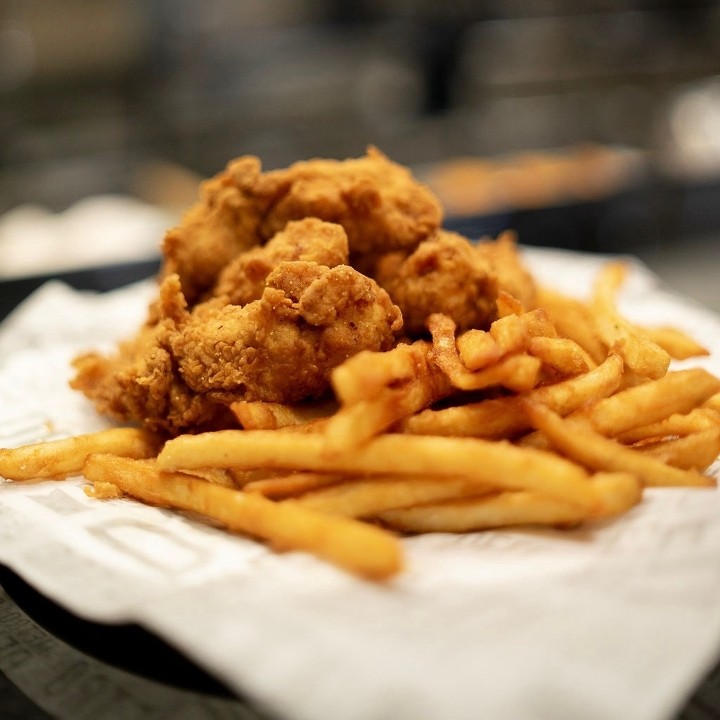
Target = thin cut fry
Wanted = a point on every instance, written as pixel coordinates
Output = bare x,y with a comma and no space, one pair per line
677,343
508,304
676,392
259,415
56,459
574,320
363,549
477,349
504,418
498,463
579,441
366,374
696,451
561,354
616,492
510,334
642,356
678,424
285,486
516,372
354,424
368,497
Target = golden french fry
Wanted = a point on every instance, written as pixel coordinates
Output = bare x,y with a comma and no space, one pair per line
678,424
56,459
616,493
477,349
355,423
369,496
219,476
676,392
497,463
503,417
641,355
574,320
510,334
713,402
258,415
677,343
537,323
285,486
515,372
697,451
367,373
363,549
508,304
561,354
578,440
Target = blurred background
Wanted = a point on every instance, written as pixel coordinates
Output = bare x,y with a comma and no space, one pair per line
587,125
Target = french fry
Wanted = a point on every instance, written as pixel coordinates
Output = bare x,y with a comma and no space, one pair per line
509,333
678,424
497,463
642,356
508,304
219,476
574,320
477,349
57,459
616,493
369,496
516,372
578,440
677,392
503,417
355,423
284,486
367,373
537,323
257,415
561,354
360,548
677,343
696,451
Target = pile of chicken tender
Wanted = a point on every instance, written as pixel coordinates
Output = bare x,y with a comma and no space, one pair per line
274,278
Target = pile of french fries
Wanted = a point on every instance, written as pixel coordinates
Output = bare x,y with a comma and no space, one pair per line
554,416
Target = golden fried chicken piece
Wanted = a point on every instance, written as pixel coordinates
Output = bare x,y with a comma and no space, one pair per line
184,371
445,274
283,347
378,202
449,274
222,223
140,382
310,239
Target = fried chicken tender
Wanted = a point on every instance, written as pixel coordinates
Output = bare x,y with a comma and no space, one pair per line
184,372
283,347
222,223
378,202
310,239
140,382
448,274
445,274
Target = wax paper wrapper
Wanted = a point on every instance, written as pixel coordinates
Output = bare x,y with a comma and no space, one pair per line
616,619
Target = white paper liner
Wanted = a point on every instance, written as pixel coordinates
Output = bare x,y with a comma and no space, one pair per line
618,619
